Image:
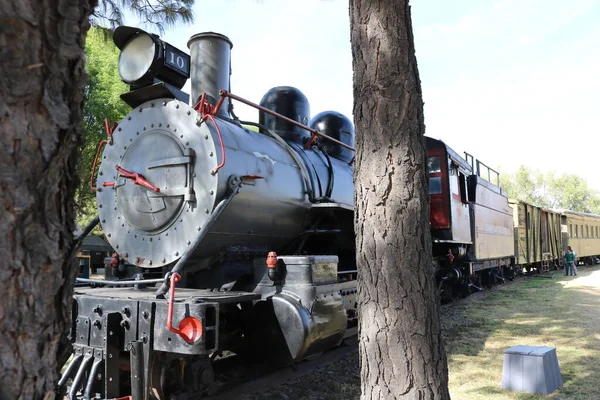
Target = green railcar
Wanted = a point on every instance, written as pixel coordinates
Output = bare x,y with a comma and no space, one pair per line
538,239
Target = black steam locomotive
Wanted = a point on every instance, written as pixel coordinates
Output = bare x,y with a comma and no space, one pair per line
191,192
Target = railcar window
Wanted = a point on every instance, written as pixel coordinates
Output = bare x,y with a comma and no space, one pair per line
576,230
587,231
570,230
435,185
433,164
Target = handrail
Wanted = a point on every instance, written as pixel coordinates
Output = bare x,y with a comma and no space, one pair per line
314,133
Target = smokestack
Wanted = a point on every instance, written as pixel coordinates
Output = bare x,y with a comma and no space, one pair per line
210,58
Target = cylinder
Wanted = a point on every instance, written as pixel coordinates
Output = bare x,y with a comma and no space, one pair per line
210,58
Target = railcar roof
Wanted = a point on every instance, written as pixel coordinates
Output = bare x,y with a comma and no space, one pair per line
453,155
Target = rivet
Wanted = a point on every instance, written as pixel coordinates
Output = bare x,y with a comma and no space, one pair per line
189,112
187,143
129,118
151,104
117,246
150,239
210,154
206,137
135,236
206,210
164,260
144,129
151,125
167,234
175,130
100,189
176,105
124,147
100,173
188,242
119,129
181,136
140,109
176,254
164,103
159,125
137,133
131,139
150,262
199,228
99,205
103,221
211,192
168,125
109,235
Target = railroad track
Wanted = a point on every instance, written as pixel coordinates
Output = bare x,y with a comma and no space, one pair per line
276,377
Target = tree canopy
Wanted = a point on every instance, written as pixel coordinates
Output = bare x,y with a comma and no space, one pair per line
553,190
156,13
101,99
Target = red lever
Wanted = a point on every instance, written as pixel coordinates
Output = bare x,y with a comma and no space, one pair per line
138,179
190,328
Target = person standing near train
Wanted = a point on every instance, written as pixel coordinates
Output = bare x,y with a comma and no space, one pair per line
574,267
569,261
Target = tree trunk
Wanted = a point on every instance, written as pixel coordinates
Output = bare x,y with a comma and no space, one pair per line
41,79
401,348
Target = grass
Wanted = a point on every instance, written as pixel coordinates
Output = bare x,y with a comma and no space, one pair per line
555,312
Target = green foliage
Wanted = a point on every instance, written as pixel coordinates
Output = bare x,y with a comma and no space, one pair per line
101,100
157,13
567,191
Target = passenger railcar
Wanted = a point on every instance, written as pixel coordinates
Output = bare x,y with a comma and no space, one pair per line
582,231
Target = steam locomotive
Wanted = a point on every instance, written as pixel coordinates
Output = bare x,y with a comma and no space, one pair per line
193,193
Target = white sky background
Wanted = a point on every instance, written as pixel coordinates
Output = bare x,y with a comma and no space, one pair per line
510,81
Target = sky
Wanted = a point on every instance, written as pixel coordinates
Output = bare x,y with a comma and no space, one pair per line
512,82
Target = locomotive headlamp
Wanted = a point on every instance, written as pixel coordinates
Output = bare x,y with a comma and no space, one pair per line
145,58
137,57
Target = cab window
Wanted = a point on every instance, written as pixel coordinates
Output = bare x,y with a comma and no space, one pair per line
435,185
433,165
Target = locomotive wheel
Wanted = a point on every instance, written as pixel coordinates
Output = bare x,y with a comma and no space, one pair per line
158,378
171,375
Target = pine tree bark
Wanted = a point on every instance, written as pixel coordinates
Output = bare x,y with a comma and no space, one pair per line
41,79
401,348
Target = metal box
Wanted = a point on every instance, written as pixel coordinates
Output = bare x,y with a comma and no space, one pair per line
532,369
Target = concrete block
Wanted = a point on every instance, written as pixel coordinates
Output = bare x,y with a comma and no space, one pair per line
532,369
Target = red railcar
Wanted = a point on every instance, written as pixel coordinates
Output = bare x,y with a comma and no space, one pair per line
471,221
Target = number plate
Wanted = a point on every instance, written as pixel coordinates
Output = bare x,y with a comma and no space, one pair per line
177,60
